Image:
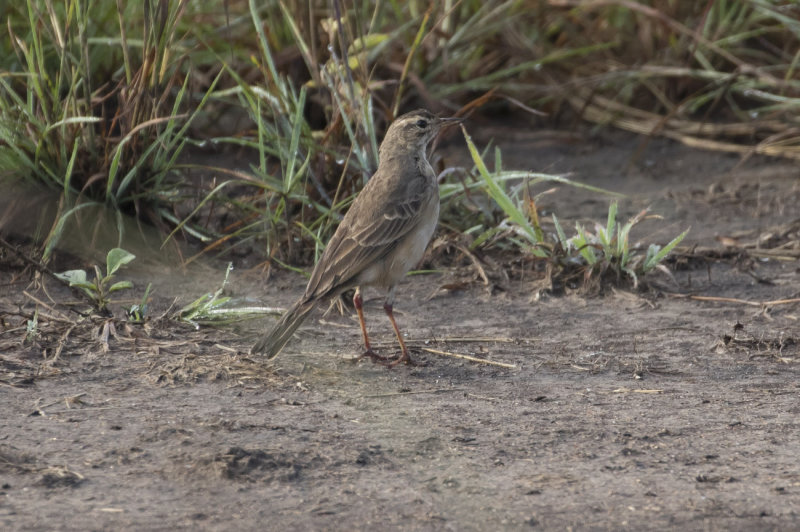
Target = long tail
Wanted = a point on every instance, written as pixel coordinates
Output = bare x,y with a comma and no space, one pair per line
272,342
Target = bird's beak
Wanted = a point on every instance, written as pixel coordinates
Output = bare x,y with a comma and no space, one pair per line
444,123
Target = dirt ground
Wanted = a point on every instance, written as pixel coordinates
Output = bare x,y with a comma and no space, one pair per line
630,410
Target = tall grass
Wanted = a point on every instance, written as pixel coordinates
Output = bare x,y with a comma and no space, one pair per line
97,97
100,114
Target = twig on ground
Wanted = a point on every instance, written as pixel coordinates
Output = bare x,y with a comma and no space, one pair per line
62,341
37,265
59,316
470,358
772,303
476,263
414,392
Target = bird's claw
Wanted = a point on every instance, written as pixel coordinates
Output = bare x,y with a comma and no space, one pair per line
407,360
374,356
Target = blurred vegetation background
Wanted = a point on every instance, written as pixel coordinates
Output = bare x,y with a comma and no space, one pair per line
114,103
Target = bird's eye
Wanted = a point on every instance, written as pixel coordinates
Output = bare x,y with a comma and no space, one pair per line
422,124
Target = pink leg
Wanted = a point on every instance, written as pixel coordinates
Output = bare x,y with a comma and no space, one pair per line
404,358
358,302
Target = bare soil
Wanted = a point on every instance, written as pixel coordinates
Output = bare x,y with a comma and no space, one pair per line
650,409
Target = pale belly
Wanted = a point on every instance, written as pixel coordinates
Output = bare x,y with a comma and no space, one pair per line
388,272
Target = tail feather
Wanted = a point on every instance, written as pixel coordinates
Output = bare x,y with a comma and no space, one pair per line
272,342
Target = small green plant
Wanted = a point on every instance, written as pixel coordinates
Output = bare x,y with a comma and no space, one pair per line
137,313
32,327
521,225
100,290
207,306
608,249
216,309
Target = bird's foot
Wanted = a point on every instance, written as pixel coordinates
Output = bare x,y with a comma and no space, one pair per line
374,356
407,360
390,362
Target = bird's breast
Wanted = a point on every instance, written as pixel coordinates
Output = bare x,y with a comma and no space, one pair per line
409,250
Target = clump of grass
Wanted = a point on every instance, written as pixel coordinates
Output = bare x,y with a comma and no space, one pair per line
304,175
112,141
107,123
714,75
609,249
606,251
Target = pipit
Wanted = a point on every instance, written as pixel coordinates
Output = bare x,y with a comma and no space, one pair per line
382,236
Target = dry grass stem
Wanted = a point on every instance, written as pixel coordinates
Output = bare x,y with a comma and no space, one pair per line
414,392
470,358
716,299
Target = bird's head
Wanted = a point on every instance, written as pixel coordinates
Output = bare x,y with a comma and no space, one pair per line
412,132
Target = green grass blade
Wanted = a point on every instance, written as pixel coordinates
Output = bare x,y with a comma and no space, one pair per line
55,233
562,237
499,195
652,261
297,127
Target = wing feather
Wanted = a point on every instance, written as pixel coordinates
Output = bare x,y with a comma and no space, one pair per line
384,212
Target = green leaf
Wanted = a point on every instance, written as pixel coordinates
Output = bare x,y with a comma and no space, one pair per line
297,127
612,219
582,244
117,258
484,236
218,302
605,242
70,166
654,256
89,288
114,168
73,276
194,307
121,285
58,229
562,236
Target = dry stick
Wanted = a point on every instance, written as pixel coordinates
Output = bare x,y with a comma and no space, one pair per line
499,339
471,256
460,339
463,339
60,315
738,301
40,408
62,342
467,357
777,253
484,397
415,392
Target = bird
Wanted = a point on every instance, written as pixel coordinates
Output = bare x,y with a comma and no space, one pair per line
382,236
